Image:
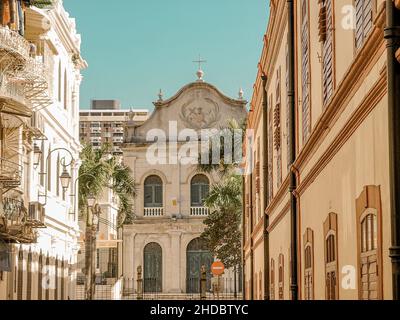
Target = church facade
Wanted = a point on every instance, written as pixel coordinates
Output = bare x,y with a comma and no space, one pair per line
163,238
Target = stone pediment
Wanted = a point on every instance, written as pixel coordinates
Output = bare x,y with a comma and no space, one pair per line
196,106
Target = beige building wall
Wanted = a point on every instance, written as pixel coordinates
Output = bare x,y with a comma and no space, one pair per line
342,166
175,223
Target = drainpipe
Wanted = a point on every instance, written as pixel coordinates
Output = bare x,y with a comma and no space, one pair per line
392,35
292,155
265,186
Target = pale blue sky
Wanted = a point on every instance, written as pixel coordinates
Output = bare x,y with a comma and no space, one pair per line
136,47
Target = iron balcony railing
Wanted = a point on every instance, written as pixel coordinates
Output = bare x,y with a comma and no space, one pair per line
10,173
13,90
13,222
12,43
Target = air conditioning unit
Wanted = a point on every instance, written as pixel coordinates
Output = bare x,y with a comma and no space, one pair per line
36,215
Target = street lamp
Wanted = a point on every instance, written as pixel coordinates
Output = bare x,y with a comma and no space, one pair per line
65,179
91,201
37,155
75,189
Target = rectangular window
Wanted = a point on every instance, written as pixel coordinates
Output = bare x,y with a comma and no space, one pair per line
363,21
305,79
326,36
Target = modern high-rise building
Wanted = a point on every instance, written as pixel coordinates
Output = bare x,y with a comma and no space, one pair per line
99,126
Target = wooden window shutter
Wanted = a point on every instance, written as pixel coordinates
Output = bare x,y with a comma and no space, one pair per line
327,53
305,79
363,21
322,24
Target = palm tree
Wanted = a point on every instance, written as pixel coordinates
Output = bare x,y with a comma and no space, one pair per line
100,170
223,231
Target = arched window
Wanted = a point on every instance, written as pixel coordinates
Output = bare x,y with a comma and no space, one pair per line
199,188
20,283
40,276
369,219
59,82
63,279
152,268
49,167
56,280
308,264
29,280
272,280
65,90
281,276
47,275
153,192
57,176
331,265
197,255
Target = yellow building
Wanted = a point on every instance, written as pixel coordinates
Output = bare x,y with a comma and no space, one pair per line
320,113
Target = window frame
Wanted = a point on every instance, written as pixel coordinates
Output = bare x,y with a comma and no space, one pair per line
153,203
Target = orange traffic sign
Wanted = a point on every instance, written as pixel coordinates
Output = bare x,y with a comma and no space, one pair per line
217,268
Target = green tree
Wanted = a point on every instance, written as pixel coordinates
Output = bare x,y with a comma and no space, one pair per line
100,170
222,232
223,225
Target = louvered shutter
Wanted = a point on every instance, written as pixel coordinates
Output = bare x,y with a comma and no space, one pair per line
327,56
306,121
148,198
195,194
363,20
158,196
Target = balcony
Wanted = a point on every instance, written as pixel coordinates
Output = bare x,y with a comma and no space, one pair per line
118,139
36,215
13,223
10,173
37,125
95,139
37,78
12,95
154,212
95,130
13,46
199,211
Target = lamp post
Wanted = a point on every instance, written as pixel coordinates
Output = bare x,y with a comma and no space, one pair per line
90,236
65,177
92,221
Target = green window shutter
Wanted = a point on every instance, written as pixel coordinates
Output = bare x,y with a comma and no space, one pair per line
148,198
158,196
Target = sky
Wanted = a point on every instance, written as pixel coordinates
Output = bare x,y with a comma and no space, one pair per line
134,48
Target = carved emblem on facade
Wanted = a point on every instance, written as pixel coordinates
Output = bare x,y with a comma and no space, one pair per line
197,115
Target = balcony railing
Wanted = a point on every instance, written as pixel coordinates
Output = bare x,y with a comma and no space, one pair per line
199,211
154,212
10,173
13,91
13,222
12,43
36,215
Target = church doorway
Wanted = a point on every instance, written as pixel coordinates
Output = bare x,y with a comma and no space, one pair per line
197,255
152,268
